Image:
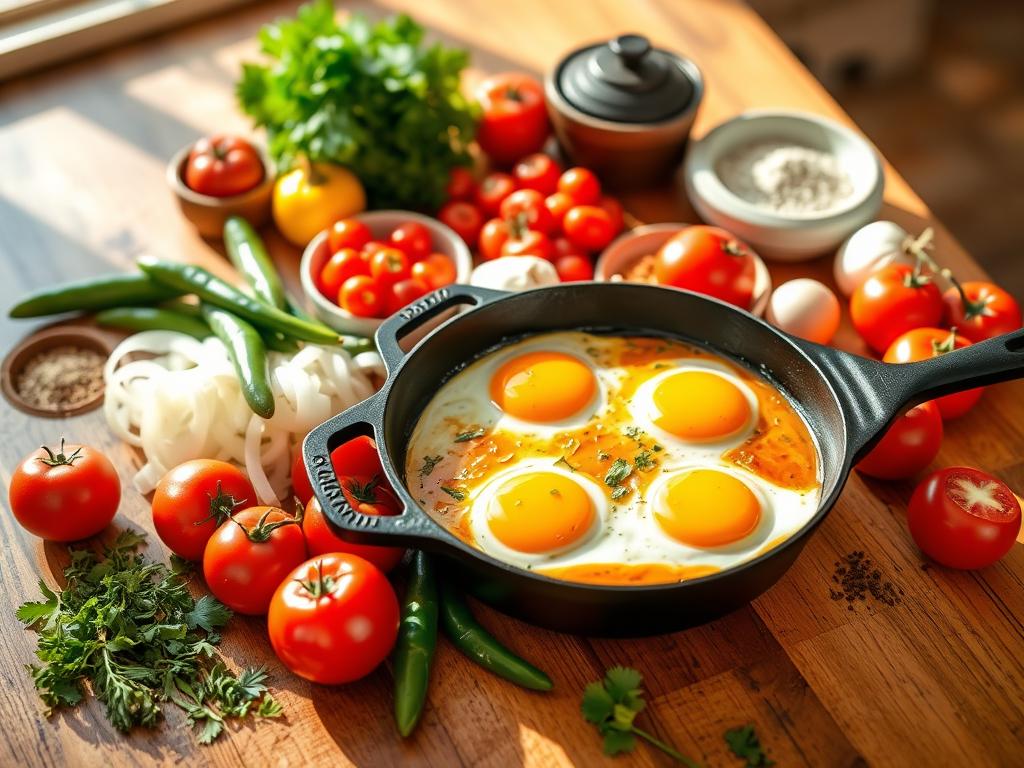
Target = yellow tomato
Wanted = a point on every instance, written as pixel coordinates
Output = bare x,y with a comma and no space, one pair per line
308,201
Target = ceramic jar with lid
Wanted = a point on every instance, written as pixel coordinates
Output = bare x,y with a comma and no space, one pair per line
624,109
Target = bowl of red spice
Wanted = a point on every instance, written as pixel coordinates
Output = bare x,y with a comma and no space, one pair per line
57,371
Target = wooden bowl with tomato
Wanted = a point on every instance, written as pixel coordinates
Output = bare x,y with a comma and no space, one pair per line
222,176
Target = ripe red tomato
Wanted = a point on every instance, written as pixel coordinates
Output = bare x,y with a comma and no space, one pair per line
302,489
413,239
514,121
525,207
388,266
371,248
963,518
405,292
708,260
911,444
493,237
572,268
558,205
926,343
436,271
461,184
891,301
193,499
348,233
248,556
588,227
537,171
357,457
322,540
529,242
222,166
334,619
983,311
581,185
614,209
64,496
492,190
465,218
363,296
563,247
342,265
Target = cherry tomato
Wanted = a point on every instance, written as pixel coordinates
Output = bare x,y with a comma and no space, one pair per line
539,172
301,487
193,499
340,267
461,184
248,556
891,301
322,540
963,518
222,166
413,239
559,204
372,247
982,311
588,227
925,343
564,247
529,242
493,236
572,268
526,208
492,190
334,619
465,218
64,496
581,185
911,444
614,210
348,233
405,292
436,271
389,265
356,457
363,296
708,260
515,120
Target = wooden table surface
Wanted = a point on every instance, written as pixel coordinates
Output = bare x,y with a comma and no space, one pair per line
936,680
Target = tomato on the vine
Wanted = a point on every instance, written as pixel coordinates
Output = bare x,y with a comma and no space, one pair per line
493,236
222,166
436,271
537,171
980,310
348,233
528,242
525,207
65,496
708,260
322,540
363,296
464,218
581,185
910,444
193,499
572,268
514,120
492,190
413,239
892,301
461,184
342,265
588,227
925,343
333,619
963,518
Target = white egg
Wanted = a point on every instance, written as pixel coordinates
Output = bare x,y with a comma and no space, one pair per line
805,308
869,249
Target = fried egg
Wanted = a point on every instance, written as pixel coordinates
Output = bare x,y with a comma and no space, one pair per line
613,459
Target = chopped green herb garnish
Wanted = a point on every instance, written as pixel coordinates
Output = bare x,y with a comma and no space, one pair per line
565,462
455,493
643,461
619,471
744,744
463,437
603,456
429,462
621,491
555,492
657,448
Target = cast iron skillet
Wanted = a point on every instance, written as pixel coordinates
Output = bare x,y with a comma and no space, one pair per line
846,400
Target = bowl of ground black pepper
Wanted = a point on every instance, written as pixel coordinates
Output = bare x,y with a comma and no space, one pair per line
57,371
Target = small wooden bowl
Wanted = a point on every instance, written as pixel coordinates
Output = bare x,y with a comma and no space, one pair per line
41,341
209,213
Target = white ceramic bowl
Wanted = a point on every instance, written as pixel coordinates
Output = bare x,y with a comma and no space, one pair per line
443,239
785,236
628,248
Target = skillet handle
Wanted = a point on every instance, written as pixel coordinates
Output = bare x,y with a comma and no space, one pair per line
413,316
875,392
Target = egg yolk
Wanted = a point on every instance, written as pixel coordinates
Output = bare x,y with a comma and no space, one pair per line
707,508
700,406
540,512
543,386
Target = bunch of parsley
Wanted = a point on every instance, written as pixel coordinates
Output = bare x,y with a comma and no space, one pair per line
368,96
131,630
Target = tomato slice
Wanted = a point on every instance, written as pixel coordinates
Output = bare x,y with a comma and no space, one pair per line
981,496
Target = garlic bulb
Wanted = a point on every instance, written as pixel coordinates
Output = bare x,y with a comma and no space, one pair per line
869,249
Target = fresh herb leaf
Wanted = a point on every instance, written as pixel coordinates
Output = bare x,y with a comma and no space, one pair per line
464,437
618,472
634,432
643,461
744,744
269,707
603,456
32,613
455,493
565,462
429,462
620,491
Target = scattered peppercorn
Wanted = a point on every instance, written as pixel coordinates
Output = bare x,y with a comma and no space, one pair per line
856,578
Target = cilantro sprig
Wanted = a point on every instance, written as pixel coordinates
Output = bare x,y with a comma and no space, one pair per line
612,705
744,744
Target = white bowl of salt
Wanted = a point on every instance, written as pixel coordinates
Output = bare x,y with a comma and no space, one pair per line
791,184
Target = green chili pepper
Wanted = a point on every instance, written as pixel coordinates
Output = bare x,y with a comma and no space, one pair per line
211,289
414,649
249,255
480,646
354,345
279,343
153,319
96,293
248,355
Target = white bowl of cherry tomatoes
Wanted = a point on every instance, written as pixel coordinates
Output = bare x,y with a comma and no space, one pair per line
367,267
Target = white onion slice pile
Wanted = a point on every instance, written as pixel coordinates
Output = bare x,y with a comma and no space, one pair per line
184,402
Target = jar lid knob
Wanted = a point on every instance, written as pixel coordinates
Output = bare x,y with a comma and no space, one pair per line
630,48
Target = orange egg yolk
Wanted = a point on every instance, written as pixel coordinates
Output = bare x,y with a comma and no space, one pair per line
700,406
543,386
707,508
540,512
